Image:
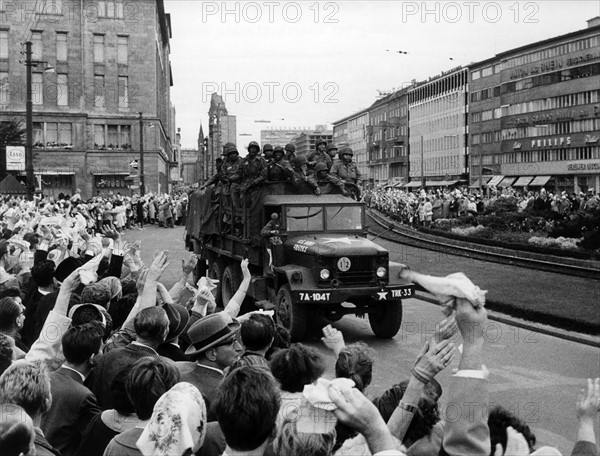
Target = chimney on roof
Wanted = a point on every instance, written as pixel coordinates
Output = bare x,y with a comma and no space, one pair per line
593,22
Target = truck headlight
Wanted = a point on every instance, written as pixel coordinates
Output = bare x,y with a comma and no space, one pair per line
324,274
381,272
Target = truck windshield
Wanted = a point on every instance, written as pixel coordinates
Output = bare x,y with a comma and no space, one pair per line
343,218
304,218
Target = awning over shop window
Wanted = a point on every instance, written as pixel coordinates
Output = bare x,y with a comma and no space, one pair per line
108,173
494,181
523,181
54,173
506,182
540,181
443,183
484,181
413,184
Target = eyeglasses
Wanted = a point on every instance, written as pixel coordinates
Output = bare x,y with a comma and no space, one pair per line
231,342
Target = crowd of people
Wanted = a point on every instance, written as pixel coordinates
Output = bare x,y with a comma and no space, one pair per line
99,358
423,207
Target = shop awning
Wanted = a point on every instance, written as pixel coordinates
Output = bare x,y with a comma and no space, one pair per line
506,182
109,173
540,181
443,183
54,173
413,184
523,181
494,181
484,181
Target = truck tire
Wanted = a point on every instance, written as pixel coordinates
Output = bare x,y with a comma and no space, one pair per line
294,317
230,282
215,271
386,321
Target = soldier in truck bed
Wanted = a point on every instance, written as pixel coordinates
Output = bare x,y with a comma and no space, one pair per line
231,175
345,169
323,176
302,179
319,155
253,171
268,153
279,170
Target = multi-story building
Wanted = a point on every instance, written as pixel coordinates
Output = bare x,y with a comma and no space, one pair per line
438,126
111,80
535,115
190,166
280,136
387,137
221,130
305,142
351,131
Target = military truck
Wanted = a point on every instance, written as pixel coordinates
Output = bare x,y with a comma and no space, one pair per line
320,264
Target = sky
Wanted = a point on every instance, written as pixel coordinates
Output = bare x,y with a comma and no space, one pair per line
306,63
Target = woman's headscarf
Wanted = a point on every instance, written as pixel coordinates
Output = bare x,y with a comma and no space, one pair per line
116,288
177,425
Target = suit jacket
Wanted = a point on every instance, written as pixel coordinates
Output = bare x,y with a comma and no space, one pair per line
585,449
110,364
42,447
173,352
469,433
205,379
73,406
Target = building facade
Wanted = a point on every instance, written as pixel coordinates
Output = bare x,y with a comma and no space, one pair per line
437,129
109,66
535,115
280,136
191,168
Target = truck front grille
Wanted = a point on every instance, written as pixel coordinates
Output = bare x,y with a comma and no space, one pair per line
362,271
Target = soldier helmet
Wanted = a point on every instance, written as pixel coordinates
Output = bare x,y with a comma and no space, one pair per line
230,148
278,150
299,161
331,146
345,151
267,147
319,142
290,148
226,147
253,144
321,166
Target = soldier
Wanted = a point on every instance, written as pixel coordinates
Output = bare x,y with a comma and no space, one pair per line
290,152
345,169
253,172
231,175
322,175
279,169
301,178
268,153
332,151
319,155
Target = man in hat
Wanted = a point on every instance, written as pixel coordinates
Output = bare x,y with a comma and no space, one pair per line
179,318
214,347
290,152
231,175
254,173
268,153
319,155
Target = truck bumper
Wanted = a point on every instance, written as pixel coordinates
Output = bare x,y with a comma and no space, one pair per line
337,295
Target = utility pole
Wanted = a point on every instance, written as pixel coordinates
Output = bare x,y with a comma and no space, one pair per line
29,125
141,170
422,168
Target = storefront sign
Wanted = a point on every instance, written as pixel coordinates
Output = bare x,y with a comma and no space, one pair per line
551,142
583,167
553,65
15,158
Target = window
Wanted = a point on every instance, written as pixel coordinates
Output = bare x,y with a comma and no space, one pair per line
62,88
37,89
51,134
98,48
112,137
122,49
110,8
3,44
38,134
123,92
36,45
110,181
4,88
61,46
65,136
308,218
99,91
125,137
99,140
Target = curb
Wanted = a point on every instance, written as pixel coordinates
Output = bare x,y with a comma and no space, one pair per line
585,339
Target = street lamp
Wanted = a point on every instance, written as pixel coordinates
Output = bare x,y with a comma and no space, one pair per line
29,63
141,170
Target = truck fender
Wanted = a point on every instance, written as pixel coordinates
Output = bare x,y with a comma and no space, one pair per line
394,271
298,277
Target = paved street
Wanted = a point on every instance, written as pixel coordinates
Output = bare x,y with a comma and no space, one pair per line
536,376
